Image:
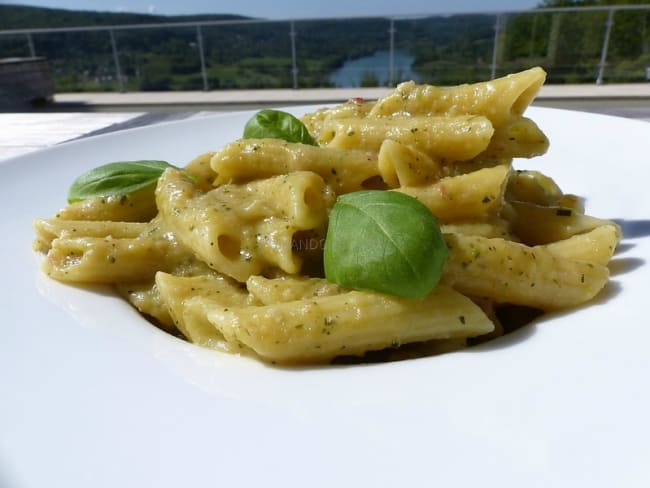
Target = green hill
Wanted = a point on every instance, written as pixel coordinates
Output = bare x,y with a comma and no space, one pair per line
250,53
24,17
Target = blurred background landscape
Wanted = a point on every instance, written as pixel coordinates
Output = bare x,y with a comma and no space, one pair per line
88,51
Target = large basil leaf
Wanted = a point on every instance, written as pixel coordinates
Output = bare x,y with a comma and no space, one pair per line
384,241
276,124
119,178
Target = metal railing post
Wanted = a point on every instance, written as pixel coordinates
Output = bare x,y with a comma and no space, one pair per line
30,43
199,42
116,60
603,52
391,54
531,48
495,46
294,60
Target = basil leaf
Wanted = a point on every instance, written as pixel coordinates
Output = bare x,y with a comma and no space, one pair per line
119,178
384,241
276,124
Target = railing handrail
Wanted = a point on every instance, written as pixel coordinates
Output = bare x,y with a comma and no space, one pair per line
221,22
153,25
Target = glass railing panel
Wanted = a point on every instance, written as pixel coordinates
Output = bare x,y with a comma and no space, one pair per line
590,45
445,49
342,52
248,55
628,55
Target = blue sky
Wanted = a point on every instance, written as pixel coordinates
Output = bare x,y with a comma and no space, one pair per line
283,9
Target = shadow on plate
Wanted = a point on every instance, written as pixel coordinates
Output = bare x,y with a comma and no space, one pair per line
633,229
515,324
619,266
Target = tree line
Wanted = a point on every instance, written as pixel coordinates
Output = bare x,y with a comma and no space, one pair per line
445,49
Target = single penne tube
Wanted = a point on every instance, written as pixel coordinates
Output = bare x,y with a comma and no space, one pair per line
176,291
201,171
352,108
573,202
313,121
318,329
276,244
511,272
499,100
248,159
302,198
112,252
404,165
193,313
49,229
491,227
107,260
518,138
289,288
242,230
447,138
533,187
465,167
145,298
470,196
596,246
139,206
538,224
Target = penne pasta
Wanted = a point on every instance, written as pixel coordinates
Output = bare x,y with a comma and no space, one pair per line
231,251
111,252
404,165
199,168
106,260
289,288
145,297
242,230
323,327
178,291
499,100
355,108
458,138
533,187
511,272
343,170
50,229
538,224
136,207
518,138
475,195
596,246
491,227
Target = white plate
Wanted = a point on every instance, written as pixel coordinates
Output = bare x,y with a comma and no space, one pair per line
92,395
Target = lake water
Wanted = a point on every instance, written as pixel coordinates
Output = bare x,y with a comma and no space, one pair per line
354,71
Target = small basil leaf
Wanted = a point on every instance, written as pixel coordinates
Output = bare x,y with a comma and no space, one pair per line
119,178
276,124
384,241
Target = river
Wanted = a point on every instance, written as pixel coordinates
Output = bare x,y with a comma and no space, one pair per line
353,72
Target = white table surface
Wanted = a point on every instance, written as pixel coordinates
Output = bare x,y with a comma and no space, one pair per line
26,132
22,133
